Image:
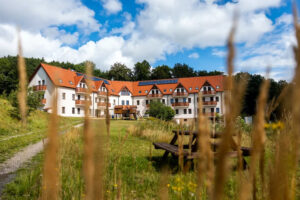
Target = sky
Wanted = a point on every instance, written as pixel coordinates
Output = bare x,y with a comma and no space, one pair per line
159,31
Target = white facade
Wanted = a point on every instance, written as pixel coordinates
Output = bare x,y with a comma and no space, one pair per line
71,101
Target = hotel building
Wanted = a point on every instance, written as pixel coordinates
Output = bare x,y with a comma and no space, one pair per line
179,93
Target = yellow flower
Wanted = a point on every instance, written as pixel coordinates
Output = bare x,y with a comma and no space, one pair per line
115,185
168,185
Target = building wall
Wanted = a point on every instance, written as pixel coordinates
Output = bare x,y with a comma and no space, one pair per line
68,102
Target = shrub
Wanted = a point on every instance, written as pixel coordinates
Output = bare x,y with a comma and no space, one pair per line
161,111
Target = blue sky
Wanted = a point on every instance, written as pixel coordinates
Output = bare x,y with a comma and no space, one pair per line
162,32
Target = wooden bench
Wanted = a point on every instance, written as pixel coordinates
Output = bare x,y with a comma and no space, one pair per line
188,154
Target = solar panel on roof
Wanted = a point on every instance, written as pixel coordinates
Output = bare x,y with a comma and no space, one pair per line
158,82
93,78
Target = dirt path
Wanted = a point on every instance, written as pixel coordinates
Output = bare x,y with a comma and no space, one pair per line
10,166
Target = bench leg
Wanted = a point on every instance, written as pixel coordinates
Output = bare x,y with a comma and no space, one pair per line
165,156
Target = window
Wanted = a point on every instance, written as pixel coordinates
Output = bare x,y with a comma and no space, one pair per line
211,98
71,82
43,82
60,80
197,88
172,100
147,102
127,102
203,110
78,97
217,87
146,91
73,110
190,88
190,111
78,111
63,109
165,90
163,101
217,99
170,90
177,111
184,111
123,102
63,95
184,100
203,99
95,99
190,100
39,82
125,92
197,99
217,110
140,91
138,102
212,110
114,102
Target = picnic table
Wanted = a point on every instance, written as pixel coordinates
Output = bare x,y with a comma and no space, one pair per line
189,151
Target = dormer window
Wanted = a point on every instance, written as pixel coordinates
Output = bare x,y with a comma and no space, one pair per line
71,82
140,91
170,90
217,87
197,88
190,88
146,91
60,80
165,90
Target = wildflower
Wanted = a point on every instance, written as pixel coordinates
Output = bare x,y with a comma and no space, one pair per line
168,185
115,185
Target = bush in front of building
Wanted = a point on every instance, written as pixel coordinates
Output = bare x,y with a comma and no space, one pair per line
161,111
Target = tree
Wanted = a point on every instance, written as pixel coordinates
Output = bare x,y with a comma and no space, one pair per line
120,72
33,102
206,73
142,71
161,111
161,72
182,70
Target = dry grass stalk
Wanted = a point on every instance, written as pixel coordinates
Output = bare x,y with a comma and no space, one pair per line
51,167
88,161
258,143
163,189
205,165
180,148
22,94
226,142
107,116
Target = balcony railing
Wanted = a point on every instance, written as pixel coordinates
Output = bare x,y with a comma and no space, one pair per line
210,103
154,95
81,90
82,102
180,94
102,93
180,104
39,87
43,101
103,104
208,92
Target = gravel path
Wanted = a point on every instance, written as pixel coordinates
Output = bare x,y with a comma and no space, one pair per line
11,165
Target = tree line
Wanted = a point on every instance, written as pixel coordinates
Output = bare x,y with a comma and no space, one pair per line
141,71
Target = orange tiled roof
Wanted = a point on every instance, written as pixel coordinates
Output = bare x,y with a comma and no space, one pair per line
69,78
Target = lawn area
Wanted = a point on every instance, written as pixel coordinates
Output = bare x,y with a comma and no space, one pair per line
133,169
14,137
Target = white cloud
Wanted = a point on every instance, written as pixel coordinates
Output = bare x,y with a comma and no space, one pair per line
219,53
34,15
194,55
112,6
62,35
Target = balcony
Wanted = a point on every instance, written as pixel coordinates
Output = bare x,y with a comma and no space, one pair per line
154,95
180,94
39,87
103,104
103,94
81,90
209,103
43,101
208,92
82,102
180,104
